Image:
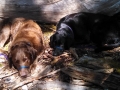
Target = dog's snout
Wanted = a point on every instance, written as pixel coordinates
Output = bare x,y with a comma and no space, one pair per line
58,51
23,73
55,54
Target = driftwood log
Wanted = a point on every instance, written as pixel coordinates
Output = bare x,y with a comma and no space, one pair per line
90,68
50,11
100,70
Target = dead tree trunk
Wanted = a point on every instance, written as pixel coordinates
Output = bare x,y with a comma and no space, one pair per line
50,11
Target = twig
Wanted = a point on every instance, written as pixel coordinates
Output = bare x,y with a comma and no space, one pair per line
9,75
34,78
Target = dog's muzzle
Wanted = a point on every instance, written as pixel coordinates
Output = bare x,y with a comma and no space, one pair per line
23,71
58,50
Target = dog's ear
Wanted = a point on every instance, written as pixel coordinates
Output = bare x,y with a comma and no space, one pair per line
14,46
10,60
33,53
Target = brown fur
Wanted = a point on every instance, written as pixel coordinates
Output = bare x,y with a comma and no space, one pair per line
26,42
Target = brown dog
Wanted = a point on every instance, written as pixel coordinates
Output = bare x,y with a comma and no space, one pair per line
26,42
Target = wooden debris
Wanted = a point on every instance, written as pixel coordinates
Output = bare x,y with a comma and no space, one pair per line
105,80
95,70
74,53
86,74
85,69
31,79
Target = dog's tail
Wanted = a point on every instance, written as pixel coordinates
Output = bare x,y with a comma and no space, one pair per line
106,47
112,45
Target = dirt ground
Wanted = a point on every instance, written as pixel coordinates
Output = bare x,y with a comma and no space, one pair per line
76,69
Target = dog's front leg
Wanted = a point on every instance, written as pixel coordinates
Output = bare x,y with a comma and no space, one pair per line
4,35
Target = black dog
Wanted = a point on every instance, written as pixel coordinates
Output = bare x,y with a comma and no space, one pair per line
83,28
107,34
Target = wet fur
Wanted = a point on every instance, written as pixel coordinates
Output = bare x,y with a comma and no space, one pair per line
84,28
26,42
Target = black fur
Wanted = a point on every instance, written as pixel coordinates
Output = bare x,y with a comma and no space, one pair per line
83,28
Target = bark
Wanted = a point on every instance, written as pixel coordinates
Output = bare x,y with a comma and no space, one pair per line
105,80
50,11
99,71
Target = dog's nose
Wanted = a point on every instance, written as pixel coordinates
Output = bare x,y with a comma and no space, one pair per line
24,76
55,54
58,50
23,73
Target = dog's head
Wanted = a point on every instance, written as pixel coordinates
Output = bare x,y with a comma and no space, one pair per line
21,56
57,42
61,40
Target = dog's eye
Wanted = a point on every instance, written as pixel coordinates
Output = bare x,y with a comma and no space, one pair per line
16,61
25,59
